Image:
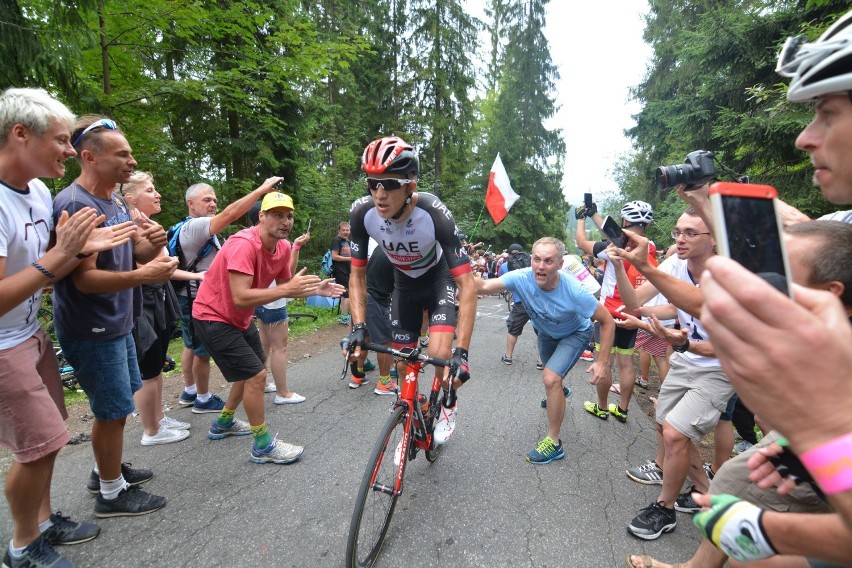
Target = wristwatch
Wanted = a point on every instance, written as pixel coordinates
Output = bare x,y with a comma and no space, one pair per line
681,348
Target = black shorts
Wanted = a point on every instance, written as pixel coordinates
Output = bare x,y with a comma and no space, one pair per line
624,341
238,354
343,280
518,318
434,291
378,321
151,364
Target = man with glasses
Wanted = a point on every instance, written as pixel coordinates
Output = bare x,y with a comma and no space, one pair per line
96,305
636,215
696,390
420,238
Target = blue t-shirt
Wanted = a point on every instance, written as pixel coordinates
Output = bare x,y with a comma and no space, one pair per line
558,313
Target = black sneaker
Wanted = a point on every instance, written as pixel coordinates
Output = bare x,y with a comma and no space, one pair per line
653,521
66,531
131,476
130,502
685,503
565,390
39,554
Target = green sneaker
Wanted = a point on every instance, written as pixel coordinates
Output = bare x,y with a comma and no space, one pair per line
620,415
593,408
546,451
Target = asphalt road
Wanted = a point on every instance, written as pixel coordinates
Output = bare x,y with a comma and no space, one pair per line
479,504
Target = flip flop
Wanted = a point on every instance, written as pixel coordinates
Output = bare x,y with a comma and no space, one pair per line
615,390
646,562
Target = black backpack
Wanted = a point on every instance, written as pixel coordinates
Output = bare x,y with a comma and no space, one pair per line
519,259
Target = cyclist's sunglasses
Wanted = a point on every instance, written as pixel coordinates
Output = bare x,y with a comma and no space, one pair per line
389,184
103,123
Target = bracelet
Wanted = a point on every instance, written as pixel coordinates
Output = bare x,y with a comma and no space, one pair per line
297,247
831,464
44,270
681,348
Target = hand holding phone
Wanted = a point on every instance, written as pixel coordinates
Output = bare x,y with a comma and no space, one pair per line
748,229
614,233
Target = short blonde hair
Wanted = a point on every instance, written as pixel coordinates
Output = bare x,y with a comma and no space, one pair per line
553,241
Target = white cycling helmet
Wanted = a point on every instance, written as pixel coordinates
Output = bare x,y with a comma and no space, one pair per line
637,212
819,68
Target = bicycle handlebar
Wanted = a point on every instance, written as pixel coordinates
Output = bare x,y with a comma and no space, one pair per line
410,354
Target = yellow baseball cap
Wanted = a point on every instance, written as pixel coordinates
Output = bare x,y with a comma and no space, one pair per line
276,199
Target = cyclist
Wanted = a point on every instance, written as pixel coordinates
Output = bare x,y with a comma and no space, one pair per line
420,238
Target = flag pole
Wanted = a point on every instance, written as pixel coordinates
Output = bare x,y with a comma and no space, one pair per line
476,224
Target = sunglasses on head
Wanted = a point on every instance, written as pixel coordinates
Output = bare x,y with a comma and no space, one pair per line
389,184
107,123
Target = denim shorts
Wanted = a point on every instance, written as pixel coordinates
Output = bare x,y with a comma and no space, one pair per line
107,371
186,323
560,355
270,316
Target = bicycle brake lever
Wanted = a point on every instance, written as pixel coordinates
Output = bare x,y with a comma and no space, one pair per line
344,345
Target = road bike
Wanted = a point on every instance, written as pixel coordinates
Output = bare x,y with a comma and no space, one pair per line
510,300
407,431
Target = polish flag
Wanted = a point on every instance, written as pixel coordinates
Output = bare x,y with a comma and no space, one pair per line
500,197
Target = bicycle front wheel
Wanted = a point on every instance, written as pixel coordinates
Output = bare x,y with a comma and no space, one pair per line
377,496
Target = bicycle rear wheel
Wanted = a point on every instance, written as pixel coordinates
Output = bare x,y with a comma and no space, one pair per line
376,497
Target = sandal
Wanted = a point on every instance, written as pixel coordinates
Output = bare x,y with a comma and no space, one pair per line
615,390
647,562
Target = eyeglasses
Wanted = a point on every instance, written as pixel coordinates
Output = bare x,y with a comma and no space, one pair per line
688,235
107,123
389,184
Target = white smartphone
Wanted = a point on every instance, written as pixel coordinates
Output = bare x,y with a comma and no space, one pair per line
309,226
748,229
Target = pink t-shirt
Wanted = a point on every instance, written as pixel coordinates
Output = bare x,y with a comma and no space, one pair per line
244,253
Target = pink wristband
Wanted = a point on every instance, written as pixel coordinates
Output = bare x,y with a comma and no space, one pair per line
831,464
297,247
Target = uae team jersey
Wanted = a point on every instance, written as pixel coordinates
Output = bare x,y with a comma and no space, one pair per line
414,245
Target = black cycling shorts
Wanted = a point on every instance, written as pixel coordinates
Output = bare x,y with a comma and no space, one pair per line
434,291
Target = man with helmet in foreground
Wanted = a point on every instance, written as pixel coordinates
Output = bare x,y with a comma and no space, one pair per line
420,238
635,215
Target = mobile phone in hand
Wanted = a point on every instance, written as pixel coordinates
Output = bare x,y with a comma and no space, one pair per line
748,229
587,200
308,230
614,233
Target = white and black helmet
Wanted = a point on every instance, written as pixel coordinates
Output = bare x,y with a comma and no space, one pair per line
637,212
819,68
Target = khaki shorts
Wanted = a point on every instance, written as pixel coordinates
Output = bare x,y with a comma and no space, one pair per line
732,479
692,398
32,402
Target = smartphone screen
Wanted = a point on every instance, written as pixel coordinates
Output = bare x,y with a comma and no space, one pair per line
587,199
748,230
614,233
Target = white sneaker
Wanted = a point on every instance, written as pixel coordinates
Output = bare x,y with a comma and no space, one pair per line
270,387
165,436
295,398
173,424
446,424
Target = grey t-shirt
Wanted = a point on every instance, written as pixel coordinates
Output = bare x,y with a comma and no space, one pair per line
842,216
193,235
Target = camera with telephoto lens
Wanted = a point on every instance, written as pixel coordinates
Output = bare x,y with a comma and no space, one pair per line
695,171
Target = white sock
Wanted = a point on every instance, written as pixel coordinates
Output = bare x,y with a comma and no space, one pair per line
202,398
111,489
15,552
45,525
192,389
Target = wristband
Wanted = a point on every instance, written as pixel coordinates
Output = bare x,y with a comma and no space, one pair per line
43,270
831,464
297,247
681,348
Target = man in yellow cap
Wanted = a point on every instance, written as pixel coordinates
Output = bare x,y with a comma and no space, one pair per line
239,280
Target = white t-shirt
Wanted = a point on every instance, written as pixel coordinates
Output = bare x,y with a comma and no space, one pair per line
26,220
678,268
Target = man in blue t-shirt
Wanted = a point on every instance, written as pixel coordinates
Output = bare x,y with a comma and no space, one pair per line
559,308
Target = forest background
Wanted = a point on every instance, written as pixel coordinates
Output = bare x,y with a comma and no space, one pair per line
231,92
